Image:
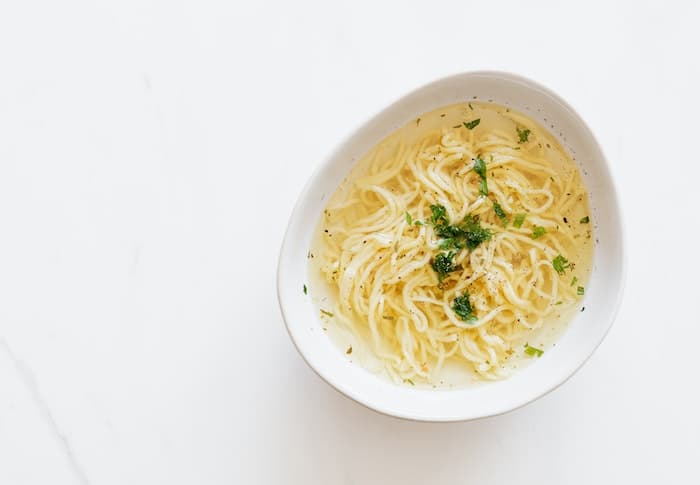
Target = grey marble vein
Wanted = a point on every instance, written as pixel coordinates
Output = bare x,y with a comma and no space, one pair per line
27,377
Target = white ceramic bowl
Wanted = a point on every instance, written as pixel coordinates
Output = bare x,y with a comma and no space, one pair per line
585,332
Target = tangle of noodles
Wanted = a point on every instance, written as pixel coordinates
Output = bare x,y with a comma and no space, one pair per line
377,240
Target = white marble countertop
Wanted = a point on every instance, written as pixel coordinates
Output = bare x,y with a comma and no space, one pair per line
150,153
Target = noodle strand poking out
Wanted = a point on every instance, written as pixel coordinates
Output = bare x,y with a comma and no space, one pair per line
456,241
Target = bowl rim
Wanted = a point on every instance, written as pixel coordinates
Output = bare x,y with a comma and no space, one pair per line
515,403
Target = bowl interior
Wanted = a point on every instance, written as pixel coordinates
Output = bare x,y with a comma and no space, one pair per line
584,333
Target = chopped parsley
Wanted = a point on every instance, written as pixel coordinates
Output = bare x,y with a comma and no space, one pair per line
480,169
448,231
474,234
522,134
468,233
560,264
451,243
417,223
533,351
500,213
328,314
463,308
439,216
443,265
472,124
483,187
538,232
409,219
585,220
519,219
573,281
409,381
305,291
580,291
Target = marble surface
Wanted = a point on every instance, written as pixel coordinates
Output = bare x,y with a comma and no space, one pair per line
150,153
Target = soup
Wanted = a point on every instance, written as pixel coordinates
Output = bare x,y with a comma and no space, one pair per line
456,250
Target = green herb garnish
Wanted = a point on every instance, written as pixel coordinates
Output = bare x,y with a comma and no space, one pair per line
573,281
522,134
409,381
444,265
480,169
328,314
417,223
474,234
467,234
533,351
305,292
585,220
580,291
560,264
538,232
451,243
472,124
439,216
483,187
500,213
463,308
409,219
519,219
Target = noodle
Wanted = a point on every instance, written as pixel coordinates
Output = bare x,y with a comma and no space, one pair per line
384,235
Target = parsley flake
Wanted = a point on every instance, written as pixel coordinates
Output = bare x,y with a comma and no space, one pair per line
444,265
472,124
585,220
560,264
538,232
483,187
480,169
518,221
500,213
439,214
473,232
533,351
522,134
463,308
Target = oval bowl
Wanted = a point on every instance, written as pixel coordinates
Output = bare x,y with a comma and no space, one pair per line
584,333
